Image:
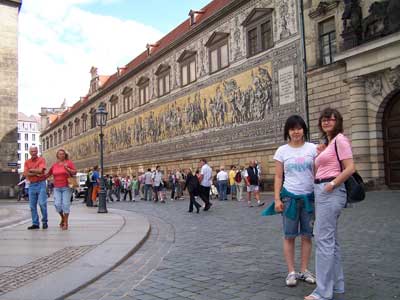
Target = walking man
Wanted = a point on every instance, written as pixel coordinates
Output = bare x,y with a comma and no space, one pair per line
157,183
147,185
252,182
34,171
205,179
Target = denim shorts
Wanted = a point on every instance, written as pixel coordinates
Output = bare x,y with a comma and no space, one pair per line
303,225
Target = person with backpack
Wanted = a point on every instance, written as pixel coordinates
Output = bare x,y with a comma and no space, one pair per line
334,165
192,185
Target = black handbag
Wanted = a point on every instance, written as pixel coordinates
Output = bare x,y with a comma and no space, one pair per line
354,185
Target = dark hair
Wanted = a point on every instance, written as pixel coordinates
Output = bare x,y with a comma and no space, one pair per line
203,160
148,170
292,122
327,113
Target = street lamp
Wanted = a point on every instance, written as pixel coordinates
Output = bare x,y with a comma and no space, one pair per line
101,120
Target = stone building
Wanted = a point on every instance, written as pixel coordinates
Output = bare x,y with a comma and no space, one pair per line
353,61
28,135
9,10
220,85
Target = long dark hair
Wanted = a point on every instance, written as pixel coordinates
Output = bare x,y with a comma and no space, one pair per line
328,113
295,121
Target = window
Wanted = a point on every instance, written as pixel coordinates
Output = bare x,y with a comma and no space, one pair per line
70,130
163,79
19,136
55,138
143,85
259,31
92,118
19,146
65,136
59,136
47,143
26,156
84,122
77,126
19,156
26,147
33,137
327,41
51,141
218,51
26,137
187,62
44,144
127,99
113,106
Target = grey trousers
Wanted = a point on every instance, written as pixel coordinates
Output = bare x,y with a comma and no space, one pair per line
328,265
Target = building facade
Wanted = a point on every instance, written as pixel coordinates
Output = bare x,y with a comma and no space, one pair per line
353,59
28,135
9,10
220,86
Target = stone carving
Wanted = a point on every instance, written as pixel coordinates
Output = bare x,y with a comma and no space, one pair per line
284,10
238,40
394,77
373,26
202,62
286,18
352,29
374,85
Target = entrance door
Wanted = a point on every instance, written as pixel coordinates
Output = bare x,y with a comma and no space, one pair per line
391,132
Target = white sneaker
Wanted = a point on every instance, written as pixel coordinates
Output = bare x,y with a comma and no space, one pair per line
291,279
307,276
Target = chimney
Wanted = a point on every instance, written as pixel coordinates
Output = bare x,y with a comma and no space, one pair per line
151,48
194,16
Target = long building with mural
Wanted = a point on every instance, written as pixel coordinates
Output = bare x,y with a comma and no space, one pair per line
220,86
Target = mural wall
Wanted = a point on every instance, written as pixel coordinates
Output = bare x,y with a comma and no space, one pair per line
244,98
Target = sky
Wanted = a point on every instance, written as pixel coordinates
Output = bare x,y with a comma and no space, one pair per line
60,40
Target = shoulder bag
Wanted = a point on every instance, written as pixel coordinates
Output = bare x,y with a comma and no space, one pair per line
354,185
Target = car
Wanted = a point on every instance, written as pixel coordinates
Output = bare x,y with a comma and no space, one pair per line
80,191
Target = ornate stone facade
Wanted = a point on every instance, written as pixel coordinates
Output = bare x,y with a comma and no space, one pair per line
9,10
228,116
362,81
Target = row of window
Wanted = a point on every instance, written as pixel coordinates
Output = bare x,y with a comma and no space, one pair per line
19,156
259,38
26,137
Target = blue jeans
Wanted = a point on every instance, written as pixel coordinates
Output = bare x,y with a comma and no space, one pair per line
147,192
62,199
223,186
37,193
233,191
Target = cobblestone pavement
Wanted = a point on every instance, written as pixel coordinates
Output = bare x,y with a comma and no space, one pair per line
231,252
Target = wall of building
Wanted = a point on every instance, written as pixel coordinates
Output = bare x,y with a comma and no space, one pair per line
8,93
229,117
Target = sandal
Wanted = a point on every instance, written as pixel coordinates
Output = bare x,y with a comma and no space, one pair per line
311,297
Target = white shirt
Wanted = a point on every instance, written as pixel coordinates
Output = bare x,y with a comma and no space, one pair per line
222,175
298,167
157,177
147,177
206,171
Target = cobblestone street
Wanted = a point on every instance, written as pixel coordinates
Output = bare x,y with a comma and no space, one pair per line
232,252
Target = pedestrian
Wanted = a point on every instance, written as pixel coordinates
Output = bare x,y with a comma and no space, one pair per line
232,183
163,191
157,180
21,188
253,183
222,182
330,199
61,170
192,185
147,185
172,182
117,187
128,188
205,179
135,187
95,179
34,171
89,190
294,162
240,183
109,186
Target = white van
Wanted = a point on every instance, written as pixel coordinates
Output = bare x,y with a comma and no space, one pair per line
81,190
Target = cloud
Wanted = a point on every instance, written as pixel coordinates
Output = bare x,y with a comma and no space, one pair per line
58,44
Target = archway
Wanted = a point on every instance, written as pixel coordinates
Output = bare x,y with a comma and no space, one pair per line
391,136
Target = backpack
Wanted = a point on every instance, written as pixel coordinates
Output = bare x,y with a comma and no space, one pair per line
238,177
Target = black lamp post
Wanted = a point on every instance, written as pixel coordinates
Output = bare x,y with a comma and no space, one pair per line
101,120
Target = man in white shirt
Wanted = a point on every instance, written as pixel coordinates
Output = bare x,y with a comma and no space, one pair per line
252,178
147,185
157,182
205,179
222,182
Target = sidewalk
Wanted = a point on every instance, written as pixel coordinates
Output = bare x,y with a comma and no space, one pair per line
50,264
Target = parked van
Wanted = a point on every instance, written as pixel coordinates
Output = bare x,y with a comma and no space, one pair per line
81,190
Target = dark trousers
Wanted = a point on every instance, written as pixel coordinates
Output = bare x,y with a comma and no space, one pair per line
173,191
204,193
193,202
88,195
130,195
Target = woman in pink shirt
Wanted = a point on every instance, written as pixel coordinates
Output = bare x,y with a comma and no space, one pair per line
61,170
330,199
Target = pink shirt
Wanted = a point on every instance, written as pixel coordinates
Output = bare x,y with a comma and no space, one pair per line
59,173
326,163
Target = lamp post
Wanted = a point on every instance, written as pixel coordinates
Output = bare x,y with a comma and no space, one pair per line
101,120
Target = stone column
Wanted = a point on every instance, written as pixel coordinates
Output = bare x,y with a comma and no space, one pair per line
360,127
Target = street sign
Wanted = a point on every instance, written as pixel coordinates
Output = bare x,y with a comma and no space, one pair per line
12,164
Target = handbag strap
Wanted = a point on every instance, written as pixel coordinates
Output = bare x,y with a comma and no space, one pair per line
337,156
